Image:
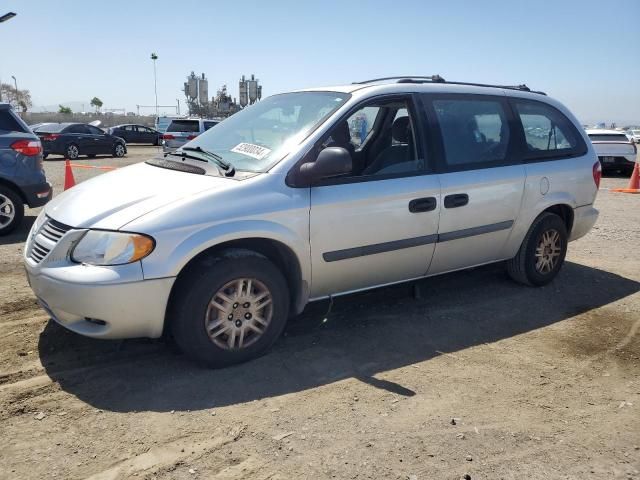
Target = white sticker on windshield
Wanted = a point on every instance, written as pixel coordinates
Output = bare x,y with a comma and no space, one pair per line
251,150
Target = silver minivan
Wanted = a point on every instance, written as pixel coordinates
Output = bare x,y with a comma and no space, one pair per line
183,130
309,195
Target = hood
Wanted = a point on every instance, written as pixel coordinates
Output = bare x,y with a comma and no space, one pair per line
116,198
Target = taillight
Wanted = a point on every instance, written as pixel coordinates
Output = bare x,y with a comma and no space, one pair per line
191,137
27,147
167,136
597,173
50,137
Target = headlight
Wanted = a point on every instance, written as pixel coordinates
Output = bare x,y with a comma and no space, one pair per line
99,247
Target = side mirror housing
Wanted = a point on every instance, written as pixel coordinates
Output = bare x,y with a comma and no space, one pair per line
331,162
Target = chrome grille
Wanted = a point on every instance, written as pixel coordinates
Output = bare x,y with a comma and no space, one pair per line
45,238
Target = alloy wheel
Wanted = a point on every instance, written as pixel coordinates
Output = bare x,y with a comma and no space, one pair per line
72,152
548,251
239,313
7,211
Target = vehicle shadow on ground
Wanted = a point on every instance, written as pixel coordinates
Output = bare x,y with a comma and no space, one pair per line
19,235
365,334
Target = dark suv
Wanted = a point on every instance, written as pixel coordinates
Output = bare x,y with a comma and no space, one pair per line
75,139
22,178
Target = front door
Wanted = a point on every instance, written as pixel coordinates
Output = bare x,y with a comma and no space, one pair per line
379,224
481,177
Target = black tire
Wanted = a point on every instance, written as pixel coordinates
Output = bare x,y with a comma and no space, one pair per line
119,150
44,156
72,152
12,211
522,268
200,285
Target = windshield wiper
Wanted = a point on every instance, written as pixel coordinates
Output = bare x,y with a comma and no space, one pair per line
226,167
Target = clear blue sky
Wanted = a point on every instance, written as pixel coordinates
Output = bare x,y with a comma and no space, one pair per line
585,53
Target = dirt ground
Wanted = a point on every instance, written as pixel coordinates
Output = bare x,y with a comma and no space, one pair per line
476,376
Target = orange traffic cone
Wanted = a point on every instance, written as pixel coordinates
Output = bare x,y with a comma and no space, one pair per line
634,181
69,181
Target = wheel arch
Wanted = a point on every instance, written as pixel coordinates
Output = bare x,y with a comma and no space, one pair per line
276,251
564,211
18,191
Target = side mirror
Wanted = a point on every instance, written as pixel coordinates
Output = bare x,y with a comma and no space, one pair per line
331,162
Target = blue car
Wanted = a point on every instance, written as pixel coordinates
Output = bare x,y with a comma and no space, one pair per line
22,177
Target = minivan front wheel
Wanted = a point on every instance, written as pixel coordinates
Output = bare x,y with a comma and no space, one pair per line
11,210
229,309
542,252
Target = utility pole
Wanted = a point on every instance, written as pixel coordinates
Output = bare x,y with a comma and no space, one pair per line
154,57
15,83
178,110
4,18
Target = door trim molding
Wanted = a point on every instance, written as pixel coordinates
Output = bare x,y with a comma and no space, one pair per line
365,250
470,232
378,248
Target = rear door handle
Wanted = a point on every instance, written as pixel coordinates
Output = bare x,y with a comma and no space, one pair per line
456,200
426,204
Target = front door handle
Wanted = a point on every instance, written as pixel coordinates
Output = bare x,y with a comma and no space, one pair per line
426,204
456,200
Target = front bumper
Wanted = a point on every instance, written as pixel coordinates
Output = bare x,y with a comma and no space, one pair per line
584,218
102,302
37,195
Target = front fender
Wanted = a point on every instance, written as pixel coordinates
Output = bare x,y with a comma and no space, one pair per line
169,263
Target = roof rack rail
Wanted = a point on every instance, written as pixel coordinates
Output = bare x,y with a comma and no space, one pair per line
405,79
439,79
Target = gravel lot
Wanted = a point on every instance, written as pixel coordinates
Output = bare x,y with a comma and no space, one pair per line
476,376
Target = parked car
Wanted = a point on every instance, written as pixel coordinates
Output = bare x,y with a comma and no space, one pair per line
75,139
635,135
275,207
180,131
22,177
136,134
614,149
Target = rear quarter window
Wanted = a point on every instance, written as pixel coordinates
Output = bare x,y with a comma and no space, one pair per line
547,132
187,126
8,123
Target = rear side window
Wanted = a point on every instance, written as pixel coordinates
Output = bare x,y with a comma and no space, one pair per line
547,131
474,131
188,126
8,122
208,125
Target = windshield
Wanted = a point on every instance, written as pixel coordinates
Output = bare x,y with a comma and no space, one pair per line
259,136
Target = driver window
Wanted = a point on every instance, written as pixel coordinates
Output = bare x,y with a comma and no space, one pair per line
380,138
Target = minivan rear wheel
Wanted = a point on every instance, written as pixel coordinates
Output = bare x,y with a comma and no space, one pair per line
542,252
11,210
229,309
